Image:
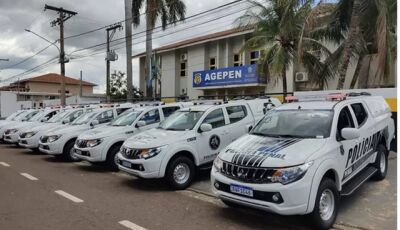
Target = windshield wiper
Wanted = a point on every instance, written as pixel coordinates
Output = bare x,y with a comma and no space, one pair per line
259,134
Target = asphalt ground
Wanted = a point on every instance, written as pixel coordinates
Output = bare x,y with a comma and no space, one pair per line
42,192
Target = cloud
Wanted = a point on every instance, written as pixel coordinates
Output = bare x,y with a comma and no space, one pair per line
16,44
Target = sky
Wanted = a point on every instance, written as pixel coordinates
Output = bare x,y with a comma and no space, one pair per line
16,44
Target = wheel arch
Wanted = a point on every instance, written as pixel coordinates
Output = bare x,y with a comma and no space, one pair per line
165,163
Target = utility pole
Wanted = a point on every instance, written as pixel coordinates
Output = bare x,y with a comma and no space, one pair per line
80,86
128,42
111,56
63,15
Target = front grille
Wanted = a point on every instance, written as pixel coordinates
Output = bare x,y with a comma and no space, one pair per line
81,143
44,139
247,174
129,153
7,132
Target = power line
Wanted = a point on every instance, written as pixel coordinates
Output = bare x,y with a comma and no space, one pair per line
26,59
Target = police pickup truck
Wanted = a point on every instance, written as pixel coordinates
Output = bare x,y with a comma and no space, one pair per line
21,117
301,157
12,131
103,143
189,138
60,142
29,138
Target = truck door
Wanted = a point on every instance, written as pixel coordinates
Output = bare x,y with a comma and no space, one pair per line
209,144
345,120
240,121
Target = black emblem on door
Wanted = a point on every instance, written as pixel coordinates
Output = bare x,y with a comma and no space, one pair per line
214,142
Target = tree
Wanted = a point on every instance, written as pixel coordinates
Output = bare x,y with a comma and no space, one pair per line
281,30
118,87
361,29
168,11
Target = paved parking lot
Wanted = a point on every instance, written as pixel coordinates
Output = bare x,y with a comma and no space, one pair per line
41,192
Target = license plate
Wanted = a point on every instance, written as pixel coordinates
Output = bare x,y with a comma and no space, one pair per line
77,151
242,190
126,164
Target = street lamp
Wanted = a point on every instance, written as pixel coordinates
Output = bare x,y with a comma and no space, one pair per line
62,62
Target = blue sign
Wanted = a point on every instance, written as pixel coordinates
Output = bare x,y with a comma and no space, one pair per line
227,76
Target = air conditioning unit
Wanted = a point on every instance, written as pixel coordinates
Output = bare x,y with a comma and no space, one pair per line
301,77
184,57
111,56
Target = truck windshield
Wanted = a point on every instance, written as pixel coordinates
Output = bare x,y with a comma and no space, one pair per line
14,115
84,118
181,120
37,116
29,115
295,123
58,117
126,118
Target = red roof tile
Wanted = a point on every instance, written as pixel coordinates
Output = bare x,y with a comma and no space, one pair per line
56,79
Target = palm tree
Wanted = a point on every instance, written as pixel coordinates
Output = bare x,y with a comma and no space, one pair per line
281,32
168,11
362,28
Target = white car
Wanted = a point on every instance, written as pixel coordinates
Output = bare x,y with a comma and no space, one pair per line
189,138
103,143
21,117
301,157
29,138
60,142
12,131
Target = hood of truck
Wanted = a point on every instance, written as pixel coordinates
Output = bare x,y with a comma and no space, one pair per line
155,137
44,127
105,131
68,129
261,151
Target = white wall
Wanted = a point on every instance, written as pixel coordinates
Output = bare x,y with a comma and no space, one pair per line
9,103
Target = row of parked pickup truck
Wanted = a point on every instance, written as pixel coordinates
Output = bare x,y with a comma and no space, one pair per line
291,159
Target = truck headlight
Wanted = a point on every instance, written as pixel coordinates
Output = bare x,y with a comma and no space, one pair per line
53,138
30,134
93,143
289,175
218,164
149,153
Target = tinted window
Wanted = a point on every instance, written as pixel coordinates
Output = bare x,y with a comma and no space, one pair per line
151,117
236,113
121,110
359,111
169,110
105,116
344,121
215,118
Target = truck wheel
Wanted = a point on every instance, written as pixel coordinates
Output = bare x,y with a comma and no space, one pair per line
381,163
326,205
180,172
112,158
68,152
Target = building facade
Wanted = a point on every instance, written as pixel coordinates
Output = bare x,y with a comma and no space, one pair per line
216,65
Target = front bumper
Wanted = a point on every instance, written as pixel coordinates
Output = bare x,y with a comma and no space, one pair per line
294,196
90,154
52,148
30,143
11,138
149,168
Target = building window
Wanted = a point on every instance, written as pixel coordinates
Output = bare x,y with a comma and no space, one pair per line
254,56
213,63
237,60
183,68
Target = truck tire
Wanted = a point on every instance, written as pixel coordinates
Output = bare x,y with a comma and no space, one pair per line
180,172
68,151
381,163
326,205
111,160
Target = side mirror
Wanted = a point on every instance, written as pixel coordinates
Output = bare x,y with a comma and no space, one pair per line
350,133
66,121
94,123
44,119
140,124
24,119
205,127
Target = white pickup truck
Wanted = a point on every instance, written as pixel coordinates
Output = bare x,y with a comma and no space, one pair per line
21,117
301,157
12,131
190,138
103,143
29,138
60,142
